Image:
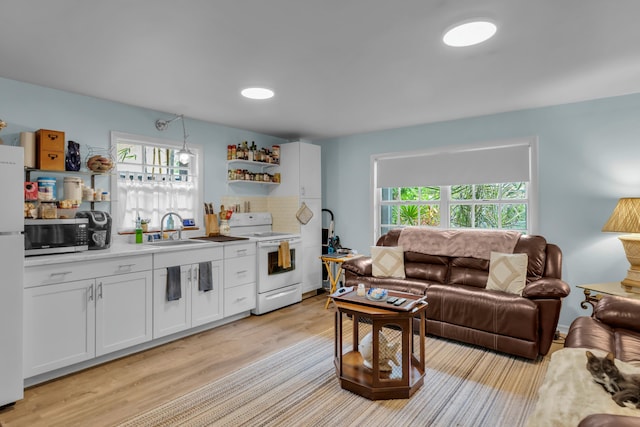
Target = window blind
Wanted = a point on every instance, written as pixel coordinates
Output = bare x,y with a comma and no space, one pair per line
479,165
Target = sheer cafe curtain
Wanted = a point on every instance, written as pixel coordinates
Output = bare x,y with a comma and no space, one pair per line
151,199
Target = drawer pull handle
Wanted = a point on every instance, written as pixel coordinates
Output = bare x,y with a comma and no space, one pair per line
125,266
241,299
61,273
241,251
241,272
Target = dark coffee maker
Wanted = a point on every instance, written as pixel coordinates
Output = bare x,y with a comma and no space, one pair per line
99,228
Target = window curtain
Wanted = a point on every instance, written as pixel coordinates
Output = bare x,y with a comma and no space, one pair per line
152,199
477,165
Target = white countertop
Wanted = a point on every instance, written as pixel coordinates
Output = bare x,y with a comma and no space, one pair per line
118,249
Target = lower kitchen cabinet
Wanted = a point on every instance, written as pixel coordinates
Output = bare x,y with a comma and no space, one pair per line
71,322
59,326
195,307
123,311
239,278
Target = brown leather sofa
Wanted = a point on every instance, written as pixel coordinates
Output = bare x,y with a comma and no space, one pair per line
460,307
614,327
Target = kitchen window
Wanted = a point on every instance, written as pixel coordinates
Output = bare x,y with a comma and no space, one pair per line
489,186
150,181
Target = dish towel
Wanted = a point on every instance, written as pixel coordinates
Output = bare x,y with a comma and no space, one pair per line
173,284
205,279
284,255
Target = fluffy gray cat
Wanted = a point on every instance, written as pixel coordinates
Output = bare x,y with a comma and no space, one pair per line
623,388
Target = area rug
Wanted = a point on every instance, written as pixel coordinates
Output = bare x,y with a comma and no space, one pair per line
463,386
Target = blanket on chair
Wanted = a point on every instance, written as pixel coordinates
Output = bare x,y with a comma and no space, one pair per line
457,243
568,393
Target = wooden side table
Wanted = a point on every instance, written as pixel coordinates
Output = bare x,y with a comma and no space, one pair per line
600,289
392,332
329,262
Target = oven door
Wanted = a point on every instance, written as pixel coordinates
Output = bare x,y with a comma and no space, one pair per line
272,274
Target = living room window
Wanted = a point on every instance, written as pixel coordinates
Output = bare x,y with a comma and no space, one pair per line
151,181
493,206
491,186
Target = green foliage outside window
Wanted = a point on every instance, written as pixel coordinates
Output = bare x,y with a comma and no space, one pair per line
489,206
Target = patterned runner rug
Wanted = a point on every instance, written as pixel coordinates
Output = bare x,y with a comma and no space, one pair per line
463,386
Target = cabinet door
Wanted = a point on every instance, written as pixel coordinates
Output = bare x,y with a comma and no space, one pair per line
311,232
59,326
310,171
170,316
123,311
311,268
206,306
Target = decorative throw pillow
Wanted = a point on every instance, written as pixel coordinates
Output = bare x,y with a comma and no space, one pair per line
387,261
507,272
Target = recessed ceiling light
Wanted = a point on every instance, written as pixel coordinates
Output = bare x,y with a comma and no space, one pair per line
257,93
469,33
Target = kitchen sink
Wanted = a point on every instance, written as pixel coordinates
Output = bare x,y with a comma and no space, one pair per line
175,242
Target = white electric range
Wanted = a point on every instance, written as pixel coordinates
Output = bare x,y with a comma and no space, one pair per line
279,280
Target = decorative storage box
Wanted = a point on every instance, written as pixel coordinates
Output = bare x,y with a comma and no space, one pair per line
50,149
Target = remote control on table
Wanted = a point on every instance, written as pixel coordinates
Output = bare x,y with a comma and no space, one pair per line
400,301
391,300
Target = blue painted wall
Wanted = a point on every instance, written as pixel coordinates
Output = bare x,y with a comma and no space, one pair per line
588,158
589,155
89,121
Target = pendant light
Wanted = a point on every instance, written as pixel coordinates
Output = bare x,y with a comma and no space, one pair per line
184,154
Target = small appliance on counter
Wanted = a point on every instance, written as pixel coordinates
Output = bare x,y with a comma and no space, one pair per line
55,236
99,228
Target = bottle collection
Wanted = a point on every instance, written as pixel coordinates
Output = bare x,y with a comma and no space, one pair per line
253,154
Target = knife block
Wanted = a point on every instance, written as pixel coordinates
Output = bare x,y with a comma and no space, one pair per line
211,225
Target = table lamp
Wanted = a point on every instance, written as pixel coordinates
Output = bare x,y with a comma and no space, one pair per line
626,219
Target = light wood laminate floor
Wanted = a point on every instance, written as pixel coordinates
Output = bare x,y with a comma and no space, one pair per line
107,394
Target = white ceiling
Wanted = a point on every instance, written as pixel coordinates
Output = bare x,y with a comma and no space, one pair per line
338,67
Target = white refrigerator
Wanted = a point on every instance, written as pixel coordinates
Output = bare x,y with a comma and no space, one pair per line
11,273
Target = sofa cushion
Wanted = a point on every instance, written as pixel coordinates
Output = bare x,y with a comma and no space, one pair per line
426,267
507,272
619,312
628,346
480,309
536,249
587,332
613,329
388,261
469,271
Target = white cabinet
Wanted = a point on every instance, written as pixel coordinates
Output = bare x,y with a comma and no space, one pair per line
301,176
312,248
310,160
123,311
239,278
195,307
70,321
59,326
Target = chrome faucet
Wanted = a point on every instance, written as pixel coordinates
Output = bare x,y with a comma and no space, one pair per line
162,225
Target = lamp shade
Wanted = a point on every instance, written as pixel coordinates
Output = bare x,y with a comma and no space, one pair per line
625,217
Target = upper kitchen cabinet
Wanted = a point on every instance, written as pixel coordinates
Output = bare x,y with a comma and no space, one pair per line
300,171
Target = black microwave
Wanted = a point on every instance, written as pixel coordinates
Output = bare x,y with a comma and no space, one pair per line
55,236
